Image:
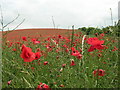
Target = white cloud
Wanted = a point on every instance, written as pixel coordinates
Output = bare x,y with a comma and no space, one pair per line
38,13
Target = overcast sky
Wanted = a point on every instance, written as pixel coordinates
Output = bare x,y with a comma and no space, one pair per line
38,13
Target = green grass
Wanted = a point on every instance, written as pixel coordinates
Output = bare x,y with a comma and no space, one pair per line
79,76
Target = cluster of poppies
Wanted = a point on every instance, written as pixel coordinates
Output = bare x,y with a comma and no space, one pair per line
35,41
95,44
76,53
43,86
28,55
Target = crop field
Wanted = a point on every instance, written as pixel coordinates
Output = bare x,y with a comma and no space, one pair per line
57,58
16,35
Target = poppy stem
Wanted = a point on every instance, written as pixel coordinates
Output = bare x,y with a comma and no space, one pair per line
72,37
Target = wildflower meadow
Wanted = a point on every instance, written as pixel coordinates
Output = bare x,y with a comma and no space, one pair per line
73,60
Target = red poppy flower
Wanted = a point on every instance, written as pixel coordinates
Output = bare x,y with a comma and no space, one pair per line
48,39
66,39
49,48
60,37
38,49
100,55
75,53
24,38
96,34
14,49
63,65
9,82
76,35
33,39
79,56
66,50
99,72
42,86
10,44
57,50
27,54
73,49
94,41
115,49
32,68
95,44
37,55
95,47
46,62
65,46
61,85
18,42
36,42
102,34
23,46
72,63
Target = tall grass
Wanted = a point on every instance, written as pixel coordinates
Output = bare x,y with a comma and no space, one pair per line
30,74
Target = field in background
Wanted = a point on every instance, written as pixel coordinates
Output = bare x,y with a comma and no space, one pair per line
43,33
